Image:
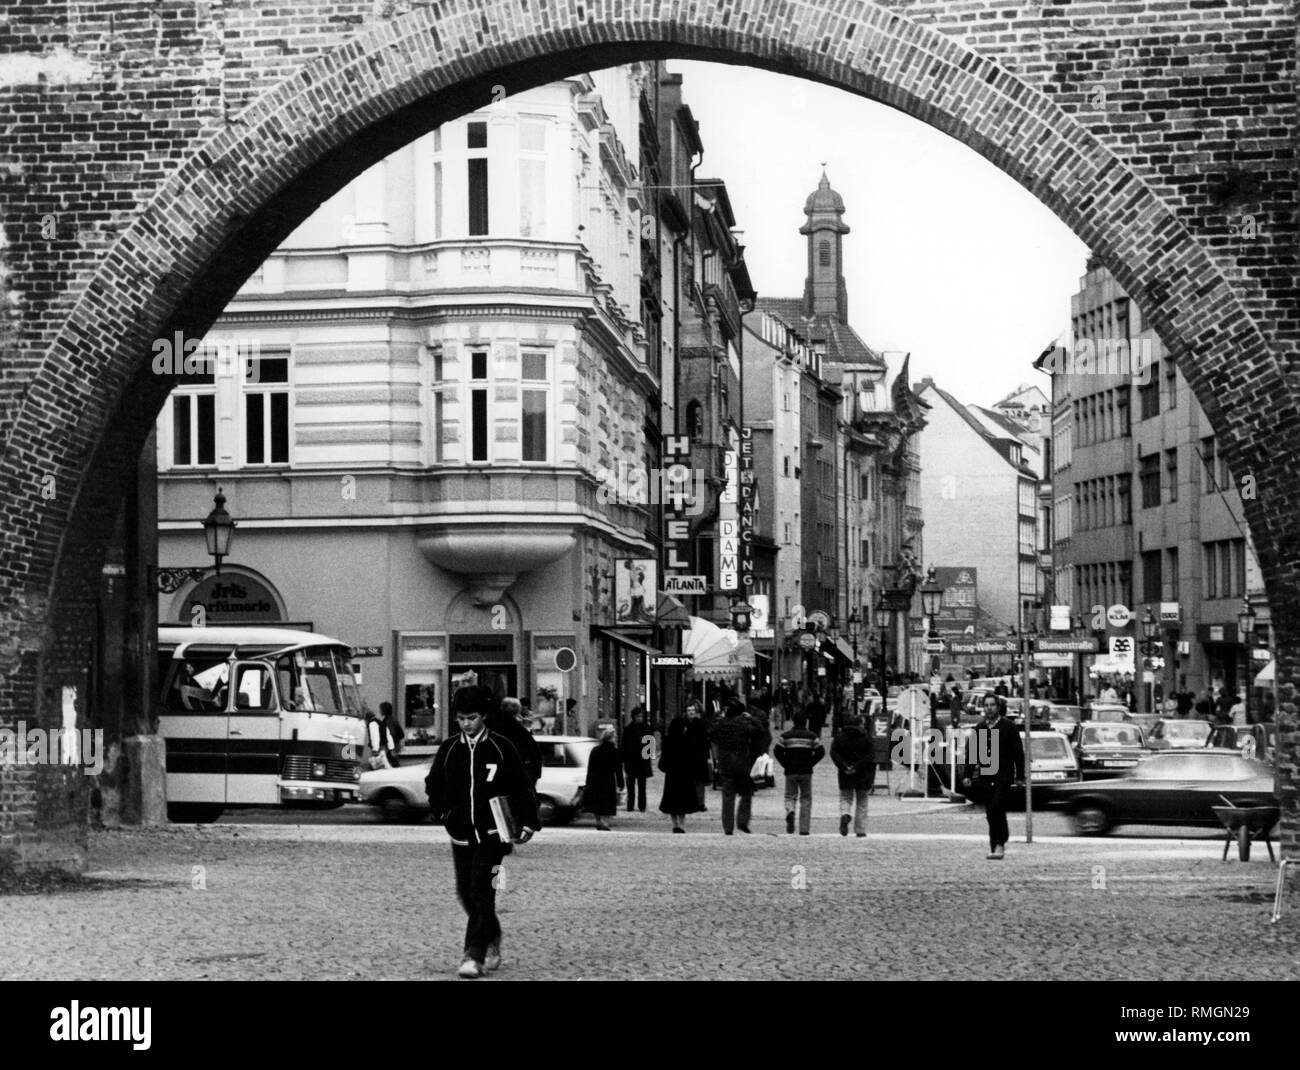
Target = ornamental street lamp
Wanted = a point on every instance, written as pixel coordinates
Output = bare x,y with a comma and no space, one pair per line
882,622
1150,630
931,600
219,528
1246,622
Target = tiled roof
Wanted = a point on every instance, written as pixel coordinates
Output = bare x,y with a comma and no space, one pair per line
843,345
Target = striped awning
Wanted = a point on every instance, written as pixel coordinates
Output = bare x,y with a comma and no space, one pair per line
716,653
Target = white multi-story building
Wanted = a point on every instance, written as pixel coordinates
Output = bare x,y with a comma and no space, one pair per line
979,494
450,366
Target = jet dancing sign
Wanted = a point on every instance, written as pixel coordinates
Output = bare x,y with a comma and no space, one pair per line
729,520
748,503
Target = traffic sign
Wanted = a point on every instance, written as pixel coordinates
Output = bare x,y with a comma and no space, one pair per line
983,646
565,659
935,646
1064,644
807,640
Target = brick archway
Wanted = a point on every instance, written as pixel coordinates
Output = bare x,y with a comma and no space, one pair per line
323,99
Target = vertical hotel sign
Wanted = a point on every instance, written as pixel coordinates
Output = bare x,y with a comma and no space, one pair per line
729,519
678,504
748,504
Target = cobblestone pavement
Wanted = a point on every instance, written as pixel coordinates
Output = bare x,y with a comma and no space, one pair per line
304,901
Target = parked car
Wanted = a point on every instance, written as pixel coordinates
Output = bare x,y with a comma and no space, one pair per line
1104,748
399,793
1063,718
1173,787
1145,721
1037,710
1173,734
1106,711
1258,741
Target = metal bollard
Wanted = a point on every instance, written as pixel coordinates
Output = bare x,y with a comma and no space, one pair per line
1281,884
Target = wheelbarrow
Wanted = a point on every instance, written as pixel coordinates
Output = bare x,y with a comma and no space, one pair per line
1244,823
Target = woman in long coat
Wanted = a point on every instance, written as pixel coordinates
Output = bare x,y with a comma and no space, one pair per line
604,780
681,766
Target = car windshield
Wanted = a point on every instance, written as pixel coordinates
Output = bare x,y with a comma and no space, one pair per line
1197,730
1196,766
1111,735
558,754
1065,713
1053,746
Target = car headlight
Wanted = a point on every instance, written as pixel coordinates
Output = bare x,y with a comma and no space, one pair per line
318,770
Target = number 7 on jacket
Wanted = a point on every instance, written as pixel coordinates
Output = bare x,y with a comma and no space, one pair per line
492,771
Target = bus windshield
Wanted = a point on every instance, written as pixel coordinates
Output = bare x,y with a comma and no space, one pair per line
313,680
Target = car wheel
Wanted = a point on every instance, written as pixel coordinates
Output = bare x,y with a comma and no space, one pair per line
194,813
547,810
393,808
1091,820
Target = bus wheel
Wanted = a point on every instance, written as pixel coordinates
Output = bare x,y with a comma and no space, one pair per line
194,813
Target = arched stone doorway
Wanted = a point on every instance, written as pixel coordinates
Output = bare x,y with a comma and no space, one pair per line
326,109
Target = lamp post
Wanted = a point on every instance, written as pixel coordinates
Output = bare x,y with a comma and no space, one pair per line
1150,629
1027,637
931,600
1078,660
855,626
882,622
1246,622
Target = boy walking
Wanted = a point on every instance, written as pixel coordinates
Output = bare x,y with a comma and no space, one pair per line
798,751
469,771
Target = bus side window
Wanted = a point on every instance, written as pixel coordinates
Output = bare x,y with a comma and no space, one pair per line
254,690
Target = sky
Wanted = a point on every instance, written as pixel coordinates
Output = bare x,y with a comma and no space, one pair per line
947,256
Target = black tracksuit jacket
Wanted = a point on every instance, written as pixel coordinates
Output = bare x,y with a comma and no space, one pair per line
465,775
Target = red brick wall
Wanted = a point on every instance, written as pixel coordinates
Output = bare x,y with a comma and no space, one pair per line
137,196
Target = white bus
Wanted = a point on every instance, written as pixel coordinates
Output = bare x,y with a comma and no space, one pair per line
257,716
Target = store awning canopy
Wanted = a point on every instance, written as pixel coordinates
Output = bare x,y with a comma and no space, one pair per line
623,639
716,653
837,650
670,613
1264,678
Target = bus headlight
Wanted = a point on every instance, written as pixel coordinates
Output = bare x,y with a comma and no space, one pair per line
318,770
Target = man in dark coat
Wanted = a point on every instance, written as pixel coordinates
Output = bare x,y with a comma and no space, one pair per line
739,739
470,770
815,712
638,757
798,751
1002,758
854,754
509,722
